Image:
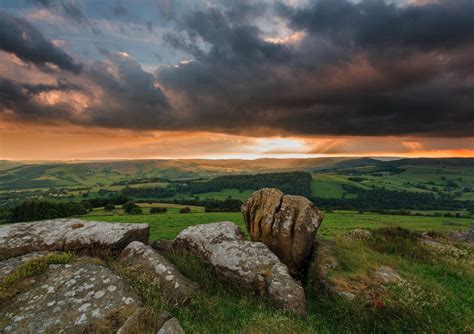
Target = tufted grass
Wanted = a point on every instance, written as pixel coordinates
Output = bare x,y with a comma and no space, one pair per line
19,280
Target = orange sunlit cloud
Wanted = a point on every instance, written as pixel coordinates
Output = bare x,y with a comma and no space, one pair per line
21,142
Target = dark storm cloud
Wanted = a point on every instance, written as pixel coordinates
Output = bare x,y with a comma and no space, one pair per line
19,98
377,24
28,43
131,98
340,68
364,68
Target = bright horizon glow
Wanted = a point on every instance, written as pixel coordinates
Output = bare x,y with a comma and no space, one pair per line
32,143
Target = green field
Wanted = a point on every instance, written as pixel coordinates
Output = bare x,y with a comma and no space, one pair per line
168,225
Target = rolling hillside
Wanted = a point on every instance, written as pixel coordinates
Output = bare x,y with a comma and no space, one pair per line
390,174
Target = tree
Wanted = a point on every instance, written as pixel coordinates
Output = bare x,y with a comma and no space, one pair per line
130,207
136,211
109,207
39,209
155,210
185,210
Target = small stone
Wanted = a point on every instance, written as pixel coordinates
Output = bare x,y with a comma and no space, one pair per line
128,300
171,326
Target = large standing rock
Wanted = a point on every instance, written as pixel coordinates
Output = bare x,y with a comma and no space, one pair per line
67,298
243,265
67,234
177,287
286,224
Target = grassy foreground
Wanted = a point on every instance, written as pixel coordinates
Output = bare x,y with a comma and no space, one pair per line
435,294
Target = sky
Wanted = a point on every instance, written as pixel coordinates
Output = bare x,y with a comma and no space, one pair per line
177,79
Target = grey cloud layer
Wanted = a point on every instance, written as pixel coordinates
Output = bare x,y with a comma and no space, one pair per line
28,43
365,68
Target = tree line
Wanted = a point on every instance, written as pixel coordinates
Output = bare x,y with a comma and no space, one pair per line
382,199
293,183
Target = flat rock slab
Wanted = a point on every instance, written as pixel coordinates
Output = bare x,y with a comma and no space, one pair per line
67,298
175,285
243,265
67,234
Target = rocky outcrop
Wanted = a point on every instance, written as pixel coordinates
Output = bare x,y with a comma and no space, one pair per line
67,298
324,261
386,274
172,326
286,224
143,320
177,287
243,265
67,234
462,235
325,264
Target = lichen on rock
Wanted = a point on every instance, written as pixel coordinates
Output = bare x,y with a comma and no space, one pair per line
175,285
67,234
67,298
243,265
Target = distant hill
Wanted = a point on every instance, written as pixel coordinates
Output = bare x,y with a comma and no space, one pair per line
24,175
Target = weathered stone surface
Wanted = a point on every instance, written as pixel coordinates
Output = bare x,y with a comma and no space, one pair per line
67,234
171,326
67,298
386,274
143,320
462,236
8,266
244,265
359,234
324,260
286,224
175,285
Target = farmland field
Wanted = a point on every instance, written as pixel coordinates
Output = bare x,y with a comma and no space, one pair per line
168,225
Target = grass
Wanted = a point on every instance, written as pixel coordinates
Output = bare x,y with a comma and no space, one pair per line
168,225
435,295
18,280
